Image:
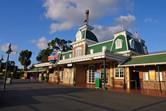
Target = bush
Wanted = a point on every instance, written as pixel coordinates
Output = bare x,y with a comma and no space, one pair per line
8,75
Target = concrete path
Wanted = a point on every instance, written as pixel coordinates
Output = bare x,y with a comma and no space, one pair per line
23,95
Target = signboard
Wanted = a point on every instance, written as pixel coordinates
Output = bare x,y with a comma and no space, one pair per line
141,75
53,57
96,75
69,65
152,75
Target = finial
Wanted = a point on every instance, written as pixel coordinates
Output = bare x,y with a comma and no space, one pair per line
122,23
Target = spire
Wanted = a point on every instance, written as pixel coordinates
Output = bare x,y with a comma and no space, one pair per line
87,17
122,24
86,26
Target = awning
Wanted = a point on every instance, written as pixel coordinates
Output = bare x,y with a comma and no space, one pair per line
38,70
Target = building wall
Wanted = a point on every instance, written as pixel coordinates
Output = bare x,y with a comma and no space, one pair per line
82,51
150,84
80,74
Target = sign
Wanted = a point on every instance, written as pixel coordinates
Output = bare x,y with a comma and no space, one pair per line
69,65
96,75
141,74
152,75
53,57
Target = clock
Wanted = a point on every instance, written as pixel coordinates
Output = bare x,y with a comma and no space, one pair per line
78,35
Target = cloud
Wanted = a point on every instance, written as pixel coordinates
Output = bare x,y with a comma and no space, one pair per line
41,43
150,20
70,13
14,48
128,21
106,33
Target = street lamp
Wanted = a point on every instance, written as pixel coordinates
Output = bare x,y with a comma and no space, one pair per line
1,63
8,52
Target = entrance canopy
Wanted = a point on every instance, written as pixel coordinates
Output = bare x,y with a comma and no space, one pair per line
89,57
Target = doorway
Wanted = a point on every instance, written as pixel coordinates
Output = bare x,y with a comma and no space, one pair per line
135,80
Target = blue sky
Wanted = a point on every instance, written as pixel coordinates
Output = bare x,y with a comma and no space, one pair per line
30,24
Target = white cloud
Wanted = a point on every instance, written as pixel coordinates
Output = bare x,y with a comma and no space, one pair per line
128,21
41,43
150,20
69,13
106,33
14,48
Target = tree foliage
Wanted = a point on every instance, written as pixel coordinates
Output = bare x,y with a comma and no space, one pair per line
60,44
56,45
43,55
24,58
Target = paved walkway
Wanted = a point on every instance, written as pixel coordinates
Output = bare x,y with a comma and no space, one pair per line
23,95
133,91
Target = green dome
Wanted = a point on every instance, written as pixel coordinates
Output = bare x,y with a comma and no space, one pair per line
90,35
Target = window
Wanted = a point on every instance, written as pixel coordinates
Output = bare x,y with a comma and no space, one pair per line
132,43
157,76
69,55
61,75
91,73
119,72
104,48
91,51
102,73
118,44
78,51
145,76
68,73
56,74
145,49
63,57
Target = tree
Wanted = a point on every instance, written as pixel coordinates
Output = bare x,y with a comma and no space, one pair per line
56,45
60,44
24,58
43,55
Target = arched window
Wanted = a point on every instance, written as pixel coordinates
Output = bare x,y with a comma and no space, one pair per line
91,51
104,48
132,43
118,43
78,51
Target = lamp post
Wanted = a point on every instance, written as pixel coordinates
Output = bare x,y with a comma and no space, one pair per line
8,52
1,63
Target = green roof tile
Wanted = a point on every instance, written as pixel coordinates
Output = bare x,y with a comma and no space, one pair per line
146,59
98,47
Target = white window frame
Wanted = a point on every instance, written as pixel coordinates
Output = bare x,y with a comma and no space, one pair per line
119,73
91,51
63,57
145,76
118,44
92,74
70,56
104,48
78,52
132,44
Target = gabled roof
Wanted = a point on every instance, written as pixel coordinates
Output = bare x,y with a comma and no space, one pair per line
150,59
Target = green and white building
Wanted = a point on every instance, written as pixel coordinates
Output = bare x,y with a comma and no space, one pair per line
114,59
